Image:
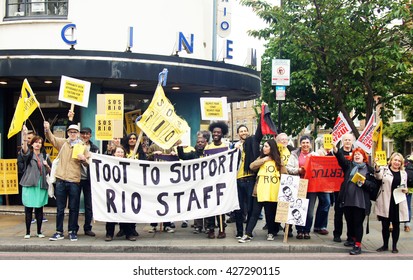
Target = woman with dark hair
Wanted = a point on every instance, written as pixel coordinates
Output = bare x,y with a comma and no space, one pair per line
269,167
130,142
393,177
354,197
127,228
33,181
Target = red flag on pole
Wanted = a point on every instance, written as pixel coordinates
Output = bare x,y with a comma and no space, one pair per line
267,125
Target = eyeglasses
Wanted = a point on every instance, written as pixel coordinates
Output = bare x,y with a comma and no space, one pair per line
72,132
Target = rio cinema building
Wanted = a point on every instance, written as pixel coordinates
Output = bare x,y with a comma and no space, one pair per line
120,47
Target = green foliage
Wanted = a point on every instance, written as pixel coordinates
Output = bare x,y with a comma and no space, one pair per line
399,132
345,55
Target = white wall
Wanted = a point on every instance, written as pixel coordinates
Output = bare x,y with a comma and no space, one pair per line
103,26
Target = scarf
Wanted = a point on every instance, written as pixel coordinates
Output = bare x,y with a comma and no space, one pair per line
357,166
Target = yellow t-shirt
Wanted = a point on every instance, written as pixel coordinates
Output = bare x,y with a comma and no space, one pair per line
268,182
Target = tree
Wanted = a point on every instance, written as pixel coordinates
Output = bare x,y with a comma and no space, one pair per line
346,56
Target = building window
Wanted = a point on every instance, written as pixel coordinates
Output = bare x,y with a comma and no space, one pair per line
245,104
398,116
34,9
238,105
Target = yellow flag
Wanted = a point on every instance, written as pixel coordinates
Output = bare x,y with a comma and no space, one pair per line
160,122
378,136
26,104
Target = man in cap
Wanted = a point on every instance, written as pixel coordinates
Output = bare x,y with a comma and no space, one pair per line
86,134
72,155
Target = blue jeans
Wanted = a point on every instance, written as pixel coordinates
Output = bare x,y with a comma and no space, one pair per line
245,199
63,191
321,214
324,200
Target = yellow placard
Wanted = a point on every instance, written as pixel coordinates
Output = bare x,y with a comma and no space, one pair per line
114,106
78,149
74,91
104,128
160,122
381,158
302,188
281,216
213,109
130,118
8,179
328,141
52,151
358,177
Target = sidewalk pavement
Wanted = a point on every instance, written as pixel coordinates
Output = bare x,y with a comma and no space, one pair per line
12,231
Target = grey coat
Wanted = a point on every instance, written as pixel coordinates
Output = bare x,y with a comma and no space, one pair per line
32,174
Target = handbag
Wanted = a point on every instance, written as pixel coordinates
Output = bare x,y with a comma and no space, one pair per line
52,176
50,188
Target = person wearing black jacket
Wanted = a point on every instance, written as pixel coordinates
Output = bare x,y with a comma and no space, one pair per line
249,149
354,197
201,143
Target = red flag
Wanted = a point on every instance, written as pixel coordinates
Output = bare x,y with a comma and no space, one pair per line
267,125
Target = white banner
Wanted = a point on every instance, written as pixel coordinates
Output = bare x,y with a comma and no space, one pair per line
140,191
365,140
340,128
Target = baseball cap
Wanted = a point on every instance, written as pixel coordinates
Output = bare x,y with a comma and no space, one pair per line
73,126
86,130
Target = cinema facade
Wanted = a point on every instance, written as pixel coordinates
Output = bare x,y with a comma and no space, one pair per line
120,49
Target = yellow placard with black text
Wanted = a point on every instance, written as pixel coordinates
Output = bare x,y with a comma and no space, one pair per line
381,158
114,106
160,122
8,180
328,141
104,128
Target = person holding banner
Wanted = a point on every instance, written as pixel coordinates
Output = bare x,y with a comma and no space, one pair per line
218,130
295,166
347,141
156,153
127,228
354,197
391,203
129,143
86,134
72,155
269,167
33,181
201,143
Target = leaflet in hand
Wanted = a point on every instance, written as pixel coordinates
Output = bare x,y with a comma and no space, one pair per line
358,177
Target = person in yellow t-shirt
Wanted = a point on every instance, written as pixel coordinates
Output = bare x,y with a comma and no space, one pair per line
269,168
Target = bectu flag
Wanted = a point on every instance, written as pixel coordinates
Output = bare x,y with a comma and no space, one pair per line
26,105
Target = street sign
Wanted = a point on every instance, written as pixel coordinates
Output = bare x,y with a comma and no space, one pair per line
280,72
280,93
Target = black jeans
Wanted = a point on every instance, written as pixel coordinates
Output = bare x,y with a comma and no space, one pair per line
87,196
